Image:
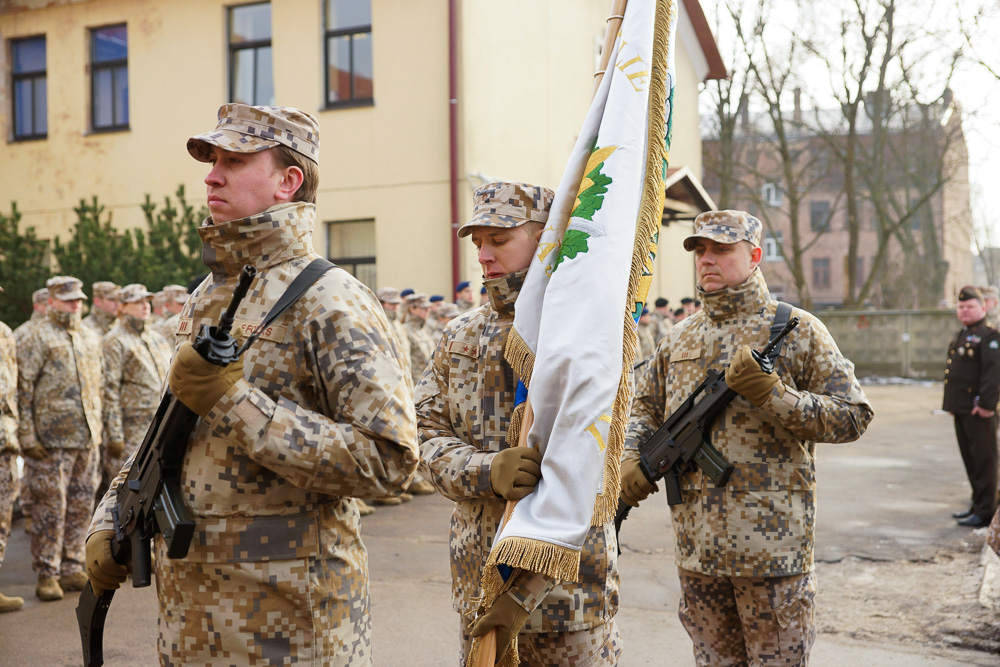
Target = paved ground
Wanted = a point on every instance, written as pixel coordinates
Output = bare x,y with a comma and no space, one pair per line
897,578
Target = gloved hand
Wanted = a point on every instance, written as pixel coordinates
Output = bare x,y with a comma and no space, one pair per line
34,451
635,486
507,616
199,384
115,448
514,472
102,570
745,376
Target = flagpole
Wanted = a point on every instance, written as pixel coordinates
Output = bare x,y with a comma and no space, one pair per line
488,648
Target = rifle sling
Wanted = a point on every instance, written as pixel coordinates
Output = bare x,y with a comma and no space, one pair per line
781,317
302,282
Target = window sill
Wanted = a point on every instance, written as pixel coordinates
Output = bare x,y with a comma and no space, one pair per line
350,104
25,139
108,130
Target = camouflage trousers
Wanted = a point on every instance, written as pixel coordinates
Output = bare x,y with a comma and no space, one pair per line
261,613
9,483
62,487
600,646
759,622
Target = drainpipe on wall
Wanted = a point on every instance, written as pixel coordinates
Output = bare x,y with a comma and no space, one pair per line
453,135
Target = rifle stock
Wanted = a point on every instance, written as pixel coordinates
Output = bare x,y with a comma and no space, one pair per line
149,500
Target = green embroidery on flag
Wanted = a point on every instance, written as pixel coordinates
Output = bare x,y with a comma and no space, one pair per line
593,187
574,243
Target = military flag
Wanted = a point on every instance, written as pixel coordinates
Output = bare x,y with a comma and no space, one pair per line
573,342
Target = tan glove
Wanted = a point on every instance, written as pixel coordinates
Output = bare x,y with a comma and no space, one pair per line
34,451
198,383
745,376
507,616
635,486
115,448
102,570
514,472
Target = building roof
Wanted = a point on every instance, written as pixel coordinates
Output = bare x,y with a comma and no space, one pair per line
716,67
685,196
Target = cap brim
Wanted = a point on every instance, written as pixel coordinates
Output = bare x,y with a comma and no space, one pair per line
489,220
690,241
199,146
72,296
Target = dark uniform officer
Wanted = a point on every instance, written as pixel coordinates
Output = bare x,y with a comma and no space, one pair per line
971,392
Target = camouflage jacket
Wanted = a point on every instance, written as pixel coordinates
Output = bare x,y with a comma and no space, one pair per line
27,327
993,319
167,327
464,402
646,339
399,329
136,360
324,415
661,326
421,345
762,523
8,390
59,384
99,321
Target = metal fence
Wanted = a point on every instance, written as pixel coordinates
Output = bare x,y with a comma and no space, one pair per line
906,343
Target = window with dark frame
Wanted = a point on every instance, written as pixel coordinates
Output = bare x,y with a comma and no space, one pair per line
349,71
28,86
819,216
109,78
773,246
251,71
821,273
350,244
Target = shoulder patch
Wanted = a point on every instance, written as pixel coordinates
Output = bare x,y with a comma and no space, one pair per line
994,344
464,347
685,355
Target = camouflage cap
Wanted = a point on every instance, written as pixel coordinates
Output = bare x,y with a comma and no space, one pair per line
388,295
990,292
725,227
246,129
508,205
175,293
40,295
65,288
134,292
417,300
105,289
449,311
970,292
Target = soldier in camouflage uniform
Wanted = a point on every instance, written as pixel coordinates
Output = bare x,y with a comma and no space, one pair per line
433,325
318,411
464,403
9,480
421,342
136,359
39,303
390,300
59,428
745,551
662,320
174,298
464,297
645,336
105,308
991,300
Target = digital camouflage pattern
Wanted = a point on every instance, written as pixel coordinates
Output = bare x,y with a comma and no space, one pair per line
762,523
464,403
662,324
99,321
777,616
725,227
247,129
507,205
277,571
167,327
26,328
136,361
9,480
646,339
59,384
421,344
59,400
599,647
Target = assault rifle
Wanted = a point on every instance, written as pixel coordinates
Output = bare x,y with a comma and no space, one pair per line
683,441
149,500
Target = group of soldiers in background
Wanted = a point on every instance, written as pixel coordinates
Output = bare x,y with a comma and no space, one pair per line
653,326
76,396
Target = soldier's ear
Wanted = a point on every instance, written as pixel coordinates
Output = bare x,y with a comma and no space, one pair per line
290,182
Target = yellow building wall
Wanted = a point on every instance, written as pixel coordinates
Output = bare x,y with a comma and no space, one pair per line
526,78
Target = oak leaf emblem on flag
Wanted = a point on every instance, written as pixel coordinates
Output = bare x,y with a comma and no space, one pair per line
589,200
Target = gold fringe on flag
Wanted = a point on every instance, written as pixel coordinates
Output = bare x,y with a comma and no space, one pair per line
647,228
520,357
514,428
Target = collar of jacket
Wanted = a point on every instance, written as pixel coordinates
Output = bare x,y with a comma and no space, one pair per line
279,234
503,292
132,324
744,299
60,318
103,317
415,321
